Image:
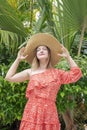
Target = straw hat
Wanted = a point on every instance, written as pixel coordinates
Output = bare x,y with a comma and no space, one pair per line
46,40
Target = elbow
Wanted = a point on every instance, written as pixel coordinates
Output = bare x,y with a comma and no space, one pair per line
7,78
10,79
80,74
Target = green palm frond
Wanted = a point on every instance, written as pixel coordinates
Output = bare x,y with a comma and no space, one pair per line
72,18
65,18
10,40
40,22
9,20
46,18
75,13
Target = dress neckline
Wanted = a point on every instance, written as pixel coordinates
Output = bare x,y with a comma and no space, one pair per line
46,71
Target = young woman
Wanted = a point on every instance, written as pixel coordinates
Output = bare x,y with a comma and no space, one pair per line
43,51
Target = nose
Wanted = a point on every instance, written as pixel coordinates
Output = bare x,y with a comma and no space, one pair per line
41,51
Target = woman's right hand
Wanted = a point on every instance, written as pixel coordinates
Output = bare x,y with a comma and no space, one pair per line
21,54
12,75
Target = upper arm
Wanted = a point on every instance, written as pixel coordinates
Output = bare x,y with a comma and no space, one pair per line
20,77
71,76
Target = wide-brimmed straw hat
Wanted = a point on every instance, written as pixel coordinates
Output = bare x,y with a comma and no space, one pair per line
44,39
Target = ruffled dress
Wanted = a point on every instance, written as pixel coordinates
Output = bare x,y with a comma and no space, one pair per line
40,112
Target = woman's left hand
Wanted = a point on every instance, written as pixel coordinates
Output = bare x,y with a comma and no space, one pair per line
64,53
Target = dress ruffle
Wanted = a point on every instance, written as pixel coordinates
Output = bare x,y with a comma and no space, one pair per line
31,126
40,114
42,85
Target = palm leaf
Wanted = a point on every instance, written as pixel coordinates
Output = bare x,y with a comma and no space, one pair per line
9,20
46,18
72,15
11,41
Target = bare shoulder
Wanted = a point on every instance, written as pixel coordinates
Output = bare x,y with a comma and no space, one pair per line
29,72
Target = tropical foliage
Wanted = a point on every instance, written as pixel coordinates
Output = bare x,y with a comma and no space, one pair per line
67,21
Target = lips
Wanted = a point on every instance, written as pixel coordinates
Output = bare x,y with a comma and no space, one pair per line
41,54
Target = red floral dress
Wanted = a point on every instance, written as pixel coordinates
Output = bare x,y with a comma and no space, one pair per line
40,112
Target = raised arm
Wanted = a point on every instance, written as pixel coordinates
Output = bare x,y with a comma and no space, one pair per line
75,72
11,75
67,56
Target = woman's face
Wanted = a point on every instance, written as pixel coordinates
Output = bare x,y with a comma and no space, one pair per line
42,52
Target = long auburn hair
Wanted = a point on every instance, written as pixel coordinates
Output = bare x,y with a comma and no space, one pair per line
35,62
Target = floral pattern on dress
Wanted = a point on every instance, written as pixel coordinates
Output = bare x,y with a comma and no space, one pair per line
40,112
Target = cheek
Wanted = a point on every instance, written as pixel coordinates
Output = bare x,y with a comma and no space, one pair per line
37,53
47,53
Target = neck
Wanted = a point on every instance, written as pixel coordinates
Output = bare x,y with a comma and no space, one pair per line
43,65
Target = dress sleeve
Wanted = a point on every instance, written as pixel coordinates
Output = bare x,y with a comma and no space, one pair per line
71,76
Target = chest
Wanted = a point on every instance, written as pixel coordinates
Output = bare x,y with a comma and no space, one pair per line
46,79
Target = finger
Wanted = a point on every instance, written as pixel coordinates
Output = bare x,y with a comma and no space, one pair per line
60,55
64,49
22,49
25,56
62,46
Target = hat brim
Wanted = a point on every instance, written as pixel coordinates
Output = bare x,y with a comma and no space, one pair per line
46,40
